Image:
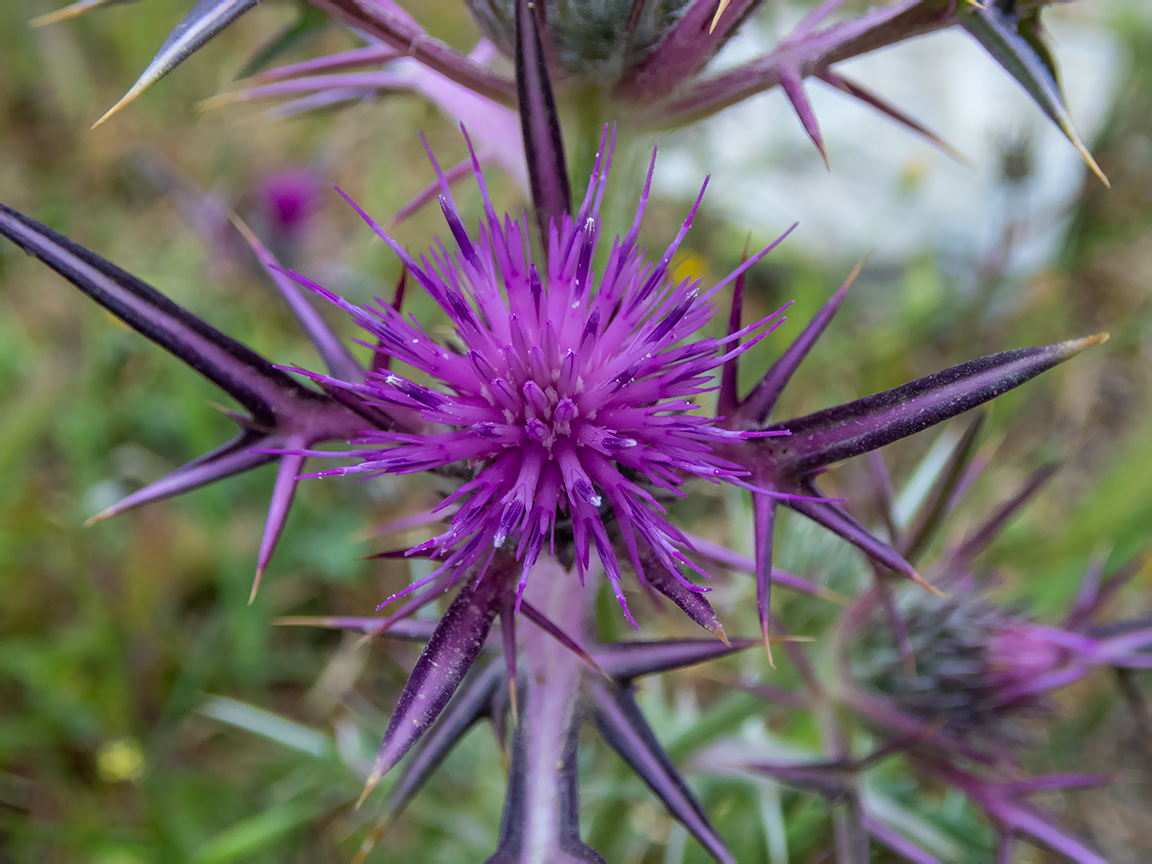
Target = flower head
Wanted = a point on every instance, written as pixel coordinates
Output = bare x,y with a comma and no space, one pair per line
568,396
593,40
972,659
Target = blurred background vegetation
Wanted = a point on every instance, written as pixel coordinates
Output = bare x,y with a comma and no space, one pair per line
114,638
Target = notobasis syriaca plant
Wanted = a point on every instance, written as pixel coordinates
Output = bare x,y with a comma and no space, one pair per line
524,545
579,393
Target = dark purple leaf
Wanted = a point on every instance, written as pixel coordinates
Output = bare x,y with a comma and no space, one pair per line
839,433
249,378
625,661
285,415
470,703
623,727
449,655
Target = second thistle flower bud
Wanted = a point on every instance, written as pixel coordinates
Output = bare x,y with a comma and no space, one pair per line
596,41
974,663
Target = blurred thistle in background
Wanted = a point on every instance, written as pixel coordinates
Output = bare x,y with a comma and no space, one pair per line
502,414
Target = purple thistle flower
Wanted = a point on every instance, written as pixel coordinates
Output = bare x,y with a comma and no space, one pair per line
569,399
288,199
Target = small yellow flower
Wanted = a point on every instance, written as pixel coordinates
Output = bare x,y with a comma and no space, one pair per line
120,760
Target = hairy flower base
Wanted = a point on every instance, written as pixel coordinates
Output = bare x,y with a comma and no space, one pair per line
569,398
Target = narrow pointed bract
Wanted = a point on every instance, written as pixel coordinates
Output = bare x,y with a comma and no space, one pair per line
72,10
207,19
625,661
540,123
454,646
996,24
470,703
821,439
283,415
793,88
332,350
624,729
757,406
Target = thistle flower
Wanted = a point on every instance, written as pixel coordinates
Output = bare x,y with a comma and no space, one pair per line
568,396
945,684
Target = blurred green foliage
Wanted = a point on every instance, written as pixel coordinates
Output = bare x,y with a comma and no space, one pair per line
112,636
